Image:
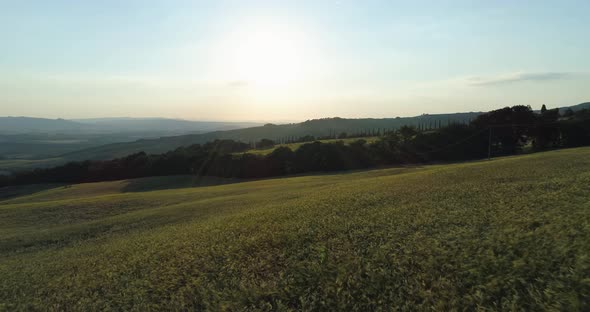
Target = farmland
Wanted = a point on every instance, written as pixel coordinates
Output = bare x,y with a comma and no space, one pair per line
23,164
508,234
295,146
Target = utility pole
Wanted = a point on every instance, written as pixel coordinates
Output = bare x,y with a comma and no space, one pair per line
490,143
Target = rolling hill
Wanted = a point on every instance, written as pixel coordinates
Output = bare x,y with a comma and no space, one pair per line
316,127
148,126
578,107
162,125
19,125
506,234
47,151
24,138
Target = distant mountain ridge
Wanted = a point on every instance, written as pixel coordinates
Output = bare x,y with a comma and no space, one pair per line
38,138
23,125
14,125
126,124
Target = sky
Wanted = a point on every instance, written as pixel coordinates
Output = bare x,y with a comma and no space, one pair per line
289,60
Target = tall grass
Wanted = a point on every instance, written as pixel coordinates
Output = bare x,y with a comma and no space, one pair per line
507,234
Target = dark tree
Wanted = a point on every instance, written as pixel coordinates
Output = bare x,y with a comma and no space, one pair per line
407,132
265,143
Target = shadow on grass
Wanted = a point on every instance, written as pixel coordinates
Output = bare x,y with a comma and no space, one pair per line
179,181
173,182
9,192
185,181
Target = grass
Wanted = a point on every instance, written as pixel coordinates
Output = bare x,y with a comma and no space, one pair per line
27,164
295,146
507,234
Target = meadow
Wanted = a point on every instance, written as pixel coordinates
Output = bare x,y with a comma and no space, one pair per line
295,146
10,165
512,233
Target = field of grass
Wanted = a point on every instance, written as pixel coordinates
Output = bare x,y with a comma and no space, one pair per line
27,164
295,146
507,234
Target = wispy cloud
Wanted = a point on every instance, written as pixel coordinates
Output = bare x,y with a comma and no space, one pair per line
237,83
518,77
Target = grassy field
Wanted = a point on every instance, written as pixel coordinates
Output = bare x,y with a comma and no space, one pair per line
507,234
27,164
295,146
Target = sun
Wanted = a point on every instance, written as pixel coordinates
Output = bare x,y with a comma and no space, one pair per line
267,56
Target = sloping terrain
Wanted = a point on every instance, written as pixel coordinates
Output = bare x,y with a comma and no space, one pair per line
36,142
317,127
34,152
30,125
508,234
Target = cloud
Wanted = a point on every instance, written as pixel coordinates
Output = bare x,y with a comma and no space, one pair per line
518,77
237,83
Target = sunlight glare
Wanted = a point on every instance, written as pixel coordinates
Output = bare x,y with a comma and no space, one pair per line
267,57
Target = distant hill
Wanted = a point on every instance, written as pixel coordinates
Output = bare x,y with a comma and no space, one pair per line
578,107
17,125
150,126
36,138
162,125
153,142
316,127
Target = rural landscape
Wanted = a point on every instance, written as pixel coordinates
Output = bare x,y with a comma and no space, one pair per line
294,156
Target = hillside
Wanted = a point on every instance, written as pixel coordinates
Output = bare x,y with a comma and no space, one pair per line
511,233
16,125
316,127
33,141
295,146
46,150
576,107
27,125
162,125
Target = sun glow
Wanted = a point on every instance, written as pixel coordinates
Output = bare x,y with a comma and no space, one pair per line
267,57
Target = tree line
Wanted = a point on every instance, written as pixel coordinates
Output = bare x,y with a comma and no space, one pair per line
362,132
507,131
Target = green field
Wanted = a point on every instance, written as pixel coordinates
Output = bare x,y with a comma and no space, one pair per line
27,164
295,146
508,234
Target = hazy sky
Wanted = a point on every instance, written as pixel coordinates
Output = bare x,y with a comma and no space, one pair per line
289,60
